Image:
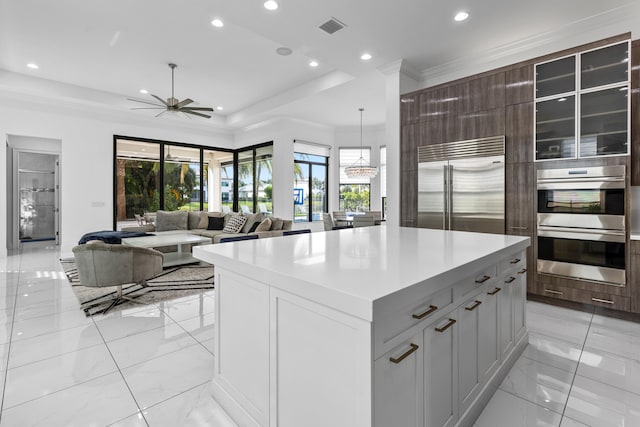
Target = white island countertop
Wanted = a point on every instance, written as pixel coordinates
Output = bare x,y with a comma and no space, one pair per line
351,269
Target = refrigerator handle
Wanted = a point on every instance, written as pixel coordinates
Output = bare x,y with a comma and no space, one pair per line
450,191
445,195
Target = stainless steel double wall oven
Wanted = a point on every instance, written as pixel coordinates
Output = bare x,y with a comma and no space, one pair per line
581,223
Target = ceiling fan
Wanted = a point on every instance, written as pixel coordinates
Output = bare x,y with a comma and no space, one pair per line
173,104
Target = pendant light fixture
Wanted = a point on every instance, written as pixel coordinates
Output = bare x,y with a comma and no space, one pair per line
360,169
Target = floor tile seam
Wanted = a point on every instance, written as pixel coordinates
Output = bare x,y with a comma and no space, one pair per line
611,353
156,357
609,385
55,313
129,336
529,401
120,372
63,389
56,355
550,365
184,329
575,374
175,395
548,335
10,342
44,333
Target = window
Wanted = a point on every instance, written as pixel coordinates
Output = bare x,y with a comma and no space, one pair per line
157,175
309,187
354,192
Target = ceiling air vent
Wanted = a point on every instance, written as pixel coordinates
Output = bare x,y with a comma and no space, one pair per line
331,26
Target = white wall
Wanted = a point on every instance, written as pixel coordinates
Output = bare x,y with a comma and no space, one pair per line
86,160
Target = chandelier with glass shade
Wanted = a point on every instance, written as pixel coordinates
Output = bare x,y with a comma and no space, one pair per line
360,168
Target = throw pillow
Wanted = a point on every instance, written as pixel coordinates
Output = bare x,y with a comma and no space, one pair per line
174,220
234,225
276,224
251,218
265,225
215,223
253,227
204,218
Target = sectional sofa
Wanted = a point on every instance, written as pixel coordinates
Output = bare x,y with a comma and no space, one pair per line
216,225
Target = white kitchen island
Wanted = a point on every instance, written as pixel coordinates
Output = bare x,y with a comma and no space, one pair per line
376,326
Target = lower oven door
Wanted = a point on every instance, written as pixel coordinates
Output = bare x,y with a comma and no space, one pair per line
593,255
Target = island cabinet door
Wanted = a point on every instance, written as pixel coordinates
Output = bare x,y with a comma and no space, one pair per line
505,307
398,385
519,299
440,372
321,368
488,355
468,342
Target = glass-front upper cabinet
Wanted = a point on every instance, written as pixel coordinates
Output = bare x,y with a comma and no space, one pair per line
583,113
556,77
604,66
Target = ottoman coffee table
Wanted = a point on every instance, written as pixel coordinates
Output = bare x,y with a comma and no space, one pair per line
182,256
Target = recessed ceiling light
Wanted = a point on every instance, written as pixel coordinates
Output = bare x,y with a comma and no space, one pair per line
313,64
365,56
217,23
144,91
271,5
461,16
284,51
219,107
32,66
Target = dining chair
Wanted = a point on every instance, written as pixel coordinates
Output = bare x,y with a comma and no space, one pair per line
363,221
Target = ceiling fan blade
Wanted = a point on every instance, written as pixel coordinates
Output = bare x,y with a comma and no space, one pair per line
161,113
145,102
183,103
197,109
159,107
161,100
196,114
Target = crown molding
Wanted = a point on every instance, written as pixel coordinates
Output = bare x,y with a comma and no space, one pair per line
595,27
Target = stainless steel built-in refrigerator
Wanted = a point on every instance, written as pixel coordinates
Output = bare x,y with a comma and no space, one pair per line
461,185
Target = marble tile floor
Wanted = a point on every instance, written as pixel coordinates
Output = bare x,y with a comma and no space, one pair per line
151,366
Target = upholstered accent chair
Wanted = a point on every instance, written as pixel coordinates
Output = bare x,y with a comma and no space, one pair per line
329,224
100,265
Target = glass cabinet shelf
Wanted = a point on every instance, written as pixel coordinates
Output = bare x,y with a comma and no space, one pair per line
556,77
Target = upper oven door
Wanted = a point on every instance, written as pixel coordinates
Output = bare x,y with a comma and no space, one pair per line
581,201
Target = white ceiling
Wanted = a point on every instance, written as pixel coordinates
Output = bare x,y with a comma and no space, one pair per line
122,46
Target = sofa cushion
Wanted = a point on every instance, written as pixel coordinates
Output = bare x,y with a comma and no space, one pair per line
234,225
215,223
276,223
175,220
193,219
210,233
204,218
287,224
251,218
265,225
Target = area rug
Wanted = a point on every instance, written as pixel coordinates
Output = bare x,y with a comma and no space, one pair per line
175,282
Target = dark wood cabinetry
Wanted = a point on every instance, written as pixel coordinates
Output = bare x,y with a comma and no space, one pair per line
501,102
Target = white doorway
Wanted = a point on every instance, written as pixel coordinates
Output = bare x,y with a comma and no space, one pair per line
33,190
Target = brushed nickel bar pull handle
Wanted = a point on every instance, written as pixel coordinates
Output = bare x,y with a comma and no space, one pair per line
606,301
447,326
518,228
554,292
484,279
430,310
404,355
524,270
515,261
510,279
495,291
475,305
